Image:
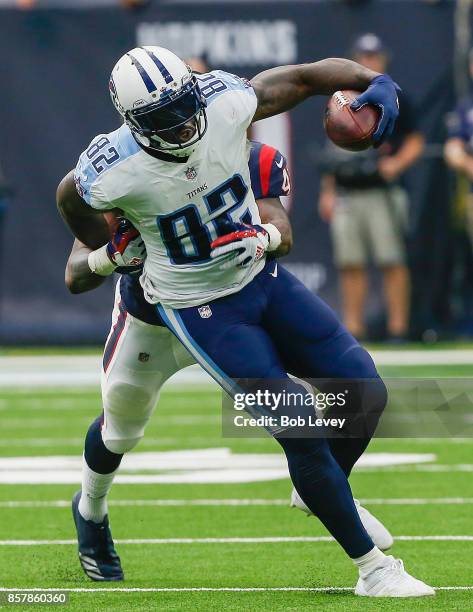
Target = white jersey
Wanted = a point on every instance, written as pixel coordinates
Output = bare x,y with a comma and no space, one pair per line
175,205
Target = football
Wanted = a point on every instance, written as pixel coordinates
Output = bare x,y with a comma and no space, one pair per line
351,130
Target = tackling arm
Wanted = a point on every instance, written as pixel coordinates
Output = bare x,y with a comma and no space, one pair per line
79,276
272,211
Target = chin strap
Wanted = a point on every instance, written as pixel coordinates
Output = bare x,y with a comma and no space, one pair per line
157,153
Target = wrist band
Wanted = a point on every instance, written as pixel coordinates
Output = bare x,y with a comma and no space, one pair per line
100,263
274,234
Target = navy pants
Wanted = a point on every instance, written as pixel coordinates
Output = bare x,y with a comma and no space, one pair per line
275,326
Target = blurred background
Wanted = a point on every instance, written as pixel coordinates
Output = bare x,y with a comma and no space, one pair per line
413,282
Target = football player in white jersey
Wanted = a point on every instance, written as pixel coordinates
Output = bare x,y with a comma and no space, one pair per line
178,169
140,355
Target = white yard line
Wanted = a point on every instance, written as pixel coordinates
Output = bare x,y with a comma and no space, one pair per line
395,501
436,467
199,589
84,370
236,540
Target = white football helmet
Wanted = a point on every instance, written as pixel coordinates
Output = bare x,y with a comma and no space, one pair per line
157,95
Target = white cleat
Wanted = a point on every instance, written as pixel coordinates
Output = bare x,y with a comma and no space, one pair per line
392,580
376,530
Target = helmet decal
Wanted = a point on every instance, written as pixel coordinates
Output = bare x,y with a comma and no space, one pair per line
148,81
161,67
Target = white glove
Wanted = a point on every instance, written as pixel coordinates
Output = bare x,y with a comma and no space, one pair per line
246,245
124,253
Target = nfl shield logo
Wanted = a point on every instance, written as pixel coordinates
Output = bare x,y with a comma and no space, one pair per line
191,173
143,357
205,311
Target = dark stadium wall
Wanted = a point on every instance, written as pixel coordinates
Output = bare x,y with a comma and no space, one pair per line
55,64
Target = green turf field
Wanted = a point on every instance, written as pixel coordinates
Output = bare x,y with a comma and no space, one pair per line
175,535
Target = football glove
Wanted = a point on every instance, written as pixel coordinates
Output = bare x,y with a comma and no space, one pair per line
245,245
124,253
382,93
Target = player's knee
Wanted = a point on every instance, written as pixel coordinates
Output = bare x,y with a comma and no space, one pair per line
375,395
128,409
128,400
358,364
121,446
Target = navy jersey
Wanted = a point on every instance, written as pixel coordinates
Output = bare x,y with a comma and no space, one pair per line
268,172
269,179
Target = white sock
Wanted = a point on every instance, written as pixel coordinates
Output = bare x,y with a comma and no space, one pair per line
372,560
95,488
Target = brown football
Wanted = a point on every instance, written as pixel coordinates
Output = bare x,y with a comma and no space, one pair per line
351,130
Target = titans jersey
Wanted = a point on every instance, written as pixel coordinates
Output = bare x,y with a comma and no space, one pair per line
177,206
269,179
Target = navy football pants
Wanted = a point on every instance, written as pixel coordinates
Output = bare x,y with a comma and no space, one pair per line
275,326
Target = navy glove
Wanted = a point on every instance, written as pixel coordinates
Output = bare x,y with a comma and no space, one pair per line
382,92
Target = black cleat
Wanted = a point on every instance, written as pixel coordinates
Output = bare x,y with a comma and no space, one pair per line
97,553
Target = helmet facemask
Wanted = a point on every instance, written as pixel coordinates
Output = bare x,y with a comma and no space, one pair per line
161,122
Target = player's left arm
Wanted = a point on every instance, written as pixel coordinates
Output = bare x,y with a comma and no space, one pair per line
280,89
272,211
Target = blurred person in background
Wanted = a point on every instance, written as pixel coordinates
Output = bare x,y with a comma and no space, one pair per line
458,149
26,4
135,4
362,198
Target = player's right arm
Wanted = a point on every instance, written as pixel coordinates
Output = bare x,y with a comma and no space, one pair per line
90,230
86,223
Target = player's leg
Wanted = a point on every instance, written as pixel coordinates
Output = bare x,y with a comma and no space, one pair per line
353,282
226,338
351,254
386,222
138,358
321,348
